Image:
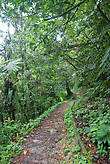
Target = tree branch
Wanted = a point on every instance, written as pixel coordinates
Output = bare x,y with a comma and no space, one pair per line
102,13
72,65
65,12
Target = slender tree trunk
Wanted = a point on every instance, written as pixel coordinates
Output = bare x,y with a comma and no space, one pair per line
1,118
69,93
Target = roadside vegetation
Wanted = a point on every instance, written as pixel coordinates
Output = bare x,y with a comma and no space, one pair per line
58,48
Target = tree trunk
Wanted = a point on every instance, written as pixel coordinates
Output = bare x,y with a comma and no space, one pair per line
69,93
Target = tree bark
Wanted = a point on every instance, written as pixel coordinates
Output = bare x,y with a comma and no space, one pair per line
69,93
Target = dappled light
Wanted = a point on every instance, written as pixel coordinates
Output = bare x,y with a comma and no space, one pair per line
55,81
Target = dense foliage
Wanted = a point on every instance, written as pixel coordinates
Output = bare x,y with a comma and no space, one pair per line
57,46
93,121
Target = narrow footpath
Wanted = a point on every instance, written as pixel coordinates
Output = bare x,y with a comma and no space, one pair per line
47,143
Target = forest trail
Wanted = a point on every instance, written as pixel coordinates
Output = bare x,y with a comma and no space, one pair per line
47,143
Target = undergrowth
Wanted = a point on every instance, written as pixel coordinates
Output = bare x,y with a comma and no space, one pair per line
93,120
77,154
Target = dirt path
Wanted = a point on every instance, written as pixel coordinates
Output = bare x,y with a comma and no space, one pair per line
44,145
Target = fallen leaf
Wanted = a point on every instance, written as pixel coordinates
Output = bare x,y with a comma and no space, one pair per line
20,139
64,130
25,152
89,145
86,155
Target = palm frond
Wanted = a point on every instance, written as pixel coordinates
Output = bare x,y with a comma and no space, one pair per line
11,66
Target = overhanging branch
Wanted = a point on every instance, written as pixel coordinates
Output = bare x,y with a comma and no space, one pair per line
72,65
102,13
58,16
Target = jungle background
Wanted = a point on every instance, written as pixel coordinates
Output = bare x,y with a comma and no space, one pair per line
58,48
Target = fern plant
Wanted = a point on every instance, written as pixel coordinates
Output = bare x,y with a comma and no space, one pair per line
10,66
105,65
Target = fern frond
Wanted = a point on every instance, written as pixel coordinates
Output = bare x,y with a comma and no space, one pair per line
105,65
11,66
105,58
